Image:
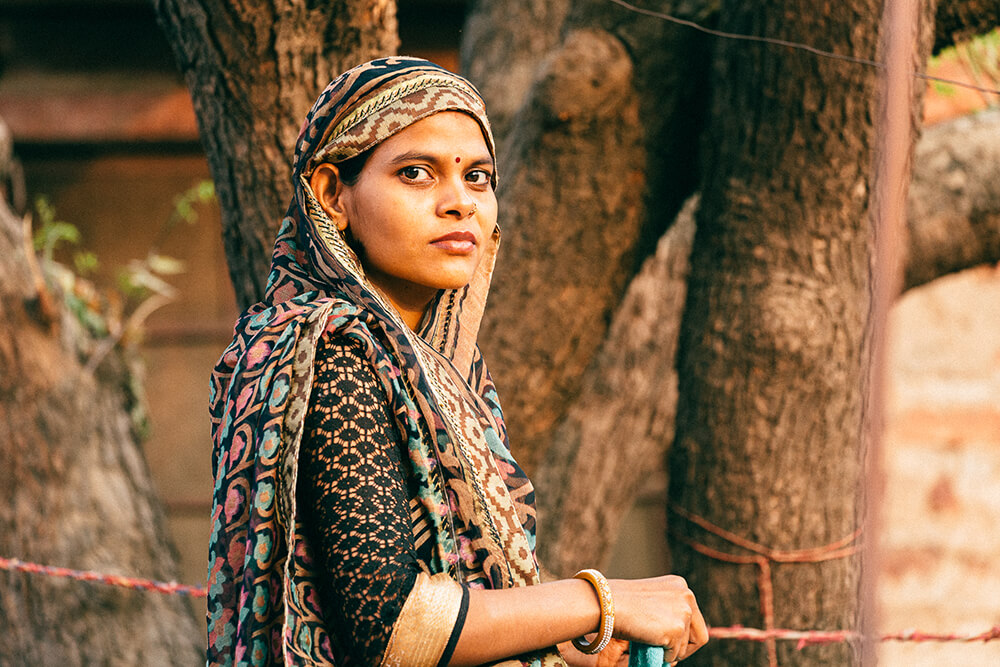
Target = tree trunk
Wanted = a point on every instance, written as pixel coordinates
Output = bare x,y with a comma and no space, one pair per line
83,497
615,433
773,349
551,228
769,416
253,69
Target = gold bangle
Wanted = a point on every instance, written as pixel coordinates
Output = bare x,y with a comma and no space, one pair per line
607,625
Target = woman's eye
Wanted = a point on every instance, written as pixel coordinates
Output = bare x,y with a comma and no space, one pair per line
413,173
478,177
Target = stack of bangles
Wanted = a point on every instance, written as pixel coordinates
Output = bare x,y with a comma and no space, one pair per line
607,625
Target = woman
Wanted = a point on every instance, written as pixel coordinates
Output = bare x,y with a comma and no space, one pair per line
367,509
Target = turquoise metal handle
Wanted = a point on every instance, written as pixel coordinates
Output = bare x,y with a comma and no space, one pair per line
644,655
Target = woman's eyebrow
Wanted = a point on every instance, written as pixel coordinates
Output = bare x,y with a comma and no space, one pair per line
412,156
485,161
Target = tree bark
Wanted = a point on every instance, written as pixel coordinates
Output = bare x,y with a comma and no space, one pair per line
83,497
503,63
253,68
772,347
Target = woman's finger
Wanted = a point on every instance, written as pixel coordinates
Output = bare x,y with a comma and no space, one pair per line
671,652
612,653
699,630
683,646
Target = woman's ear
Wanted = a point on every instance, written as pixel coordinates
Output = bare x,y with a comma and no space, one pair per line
329,190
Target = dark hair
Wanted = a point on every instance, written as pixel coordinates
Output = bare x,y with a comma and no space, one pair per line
350,169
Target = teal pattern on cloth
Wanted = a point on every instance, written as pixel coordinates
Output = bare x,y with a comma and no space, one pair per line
644,655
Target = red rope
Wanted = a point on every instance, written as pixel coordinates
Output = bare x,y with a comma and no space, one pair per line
803,637
762,556
816,637
169,587
917,636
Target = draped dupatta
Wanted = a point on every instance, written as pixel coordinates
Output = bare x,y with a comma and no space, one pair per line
263,606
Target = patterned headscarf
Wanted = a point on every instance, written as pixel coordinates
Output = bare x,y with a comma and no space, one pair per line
262,606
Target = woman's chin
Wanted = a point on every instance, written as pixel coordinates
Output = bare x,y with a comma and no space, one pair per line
455,277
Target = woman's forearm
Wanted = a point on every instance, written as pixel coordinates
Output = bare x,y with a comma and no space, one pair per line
503,623
660,611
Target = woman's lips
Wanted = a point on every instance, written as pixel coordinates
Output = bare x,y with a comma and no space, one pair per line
456,242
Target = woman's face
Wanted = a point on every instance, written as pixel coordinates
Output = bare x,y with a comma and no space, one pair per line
422,209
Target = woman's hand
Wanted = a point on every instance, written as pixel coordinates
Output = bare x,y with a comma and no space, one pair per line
661,611
615,654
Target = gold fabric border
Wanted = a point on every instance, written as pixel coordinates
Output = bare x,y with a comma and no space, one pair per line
425,623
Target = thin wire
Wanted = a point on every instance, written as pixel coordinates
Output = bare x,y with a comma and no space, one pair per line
793,45
954,82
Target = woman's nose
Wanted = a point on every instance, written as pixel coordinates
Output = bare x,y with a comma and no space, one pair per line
456,200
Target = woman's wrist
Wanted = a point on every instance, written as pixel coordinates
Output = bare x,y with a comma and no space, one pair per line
625,604
606,625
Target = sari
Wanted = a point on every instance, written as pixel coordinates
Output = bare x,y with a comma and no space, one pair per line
477,504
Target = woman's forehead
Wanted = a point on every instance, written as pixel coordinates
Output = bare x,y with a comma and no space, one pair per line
445,136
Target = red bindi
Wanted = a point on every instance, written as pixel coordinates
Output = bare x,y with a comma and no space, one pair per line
457,160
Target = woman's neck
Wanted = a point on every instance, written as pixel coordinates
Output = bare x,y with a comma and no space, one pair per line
411,316
409,300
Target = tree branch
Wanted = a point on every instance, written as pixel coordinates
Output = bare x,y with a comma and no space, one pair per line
958,20
954,203
602,154
567,237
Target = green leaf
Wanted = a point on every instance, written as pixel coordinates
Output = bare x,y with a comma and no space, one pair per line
61,231
85,262
206,191
46,212
202,192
